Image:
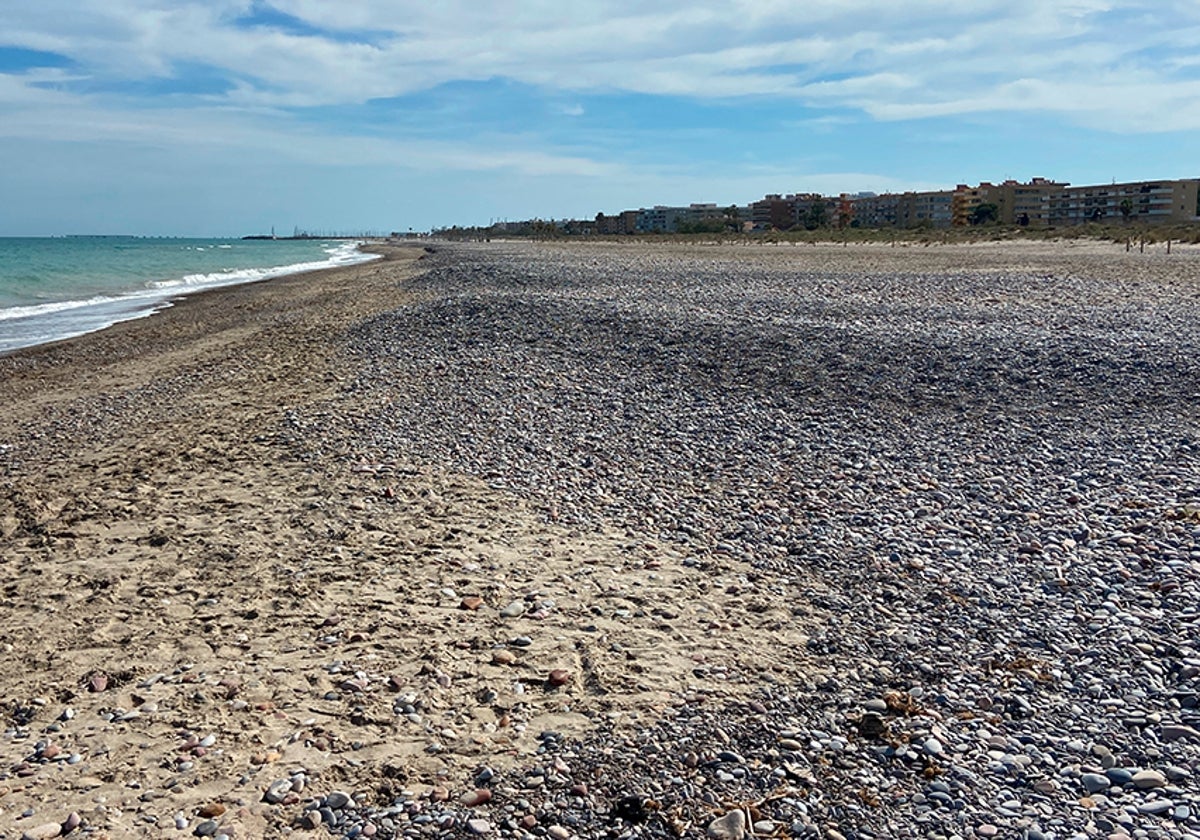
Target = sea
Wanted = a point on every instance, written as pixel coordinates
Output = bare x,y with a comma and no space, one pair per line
59,287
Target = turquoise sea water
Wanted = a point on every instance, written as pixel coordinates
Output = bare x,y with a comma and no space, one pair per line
55,288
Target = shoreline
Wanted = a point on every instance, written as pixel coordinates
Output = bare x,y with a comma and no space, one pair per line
594,540
97,310
122,341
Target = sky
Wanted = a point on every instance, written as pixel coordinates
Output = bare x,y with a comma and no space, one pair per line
227,117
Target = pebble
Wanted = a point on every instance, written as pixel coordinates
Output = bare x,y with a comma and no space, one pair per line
476,797
1156,806
276,792
1173,732
515,609
971,494
1119,775
337,799
730,826
1146,779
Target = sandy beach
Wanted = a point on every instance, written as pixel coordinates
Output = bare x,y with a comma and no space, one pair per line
614,540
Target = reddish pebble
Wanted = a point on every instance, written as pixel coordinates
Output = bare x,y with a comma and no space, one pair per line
439,794
98,682
51,751
471,602
560,676
579,790
476,797
528,821
213,809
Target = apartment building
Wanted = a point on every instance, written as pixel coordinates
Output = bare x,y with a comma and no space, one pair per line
1026,204
623,223
665,219
1146,202
773,211
784,212
877,211
1016,203
966,200
1038,202
926,209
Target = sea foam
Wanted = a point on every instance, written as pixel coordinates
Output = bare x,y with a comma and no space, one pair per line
27,324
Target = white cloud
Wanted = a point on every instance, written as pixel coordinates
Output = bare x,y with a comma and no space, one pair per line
261,136
1130,107
831,50
1122,64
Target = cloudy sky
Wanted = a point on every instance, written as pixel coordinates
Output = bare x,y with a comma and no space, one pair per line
216,117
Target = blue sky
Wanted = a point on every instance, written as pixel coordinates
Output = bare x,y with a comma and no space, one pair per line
220,117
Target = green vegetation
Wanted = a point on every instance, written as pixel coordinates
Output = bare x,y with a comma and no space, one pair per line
816,217
1113,231
984,214
713,225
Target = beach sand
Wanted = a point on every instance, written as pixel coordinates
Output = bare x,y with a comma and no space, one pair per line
178,565
219,604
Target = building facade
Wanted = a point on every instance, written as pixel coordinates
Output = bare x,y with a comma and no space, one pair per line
1015,203
807,210
665,219
623,223
1037,203
1146,202
877,211
926,209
